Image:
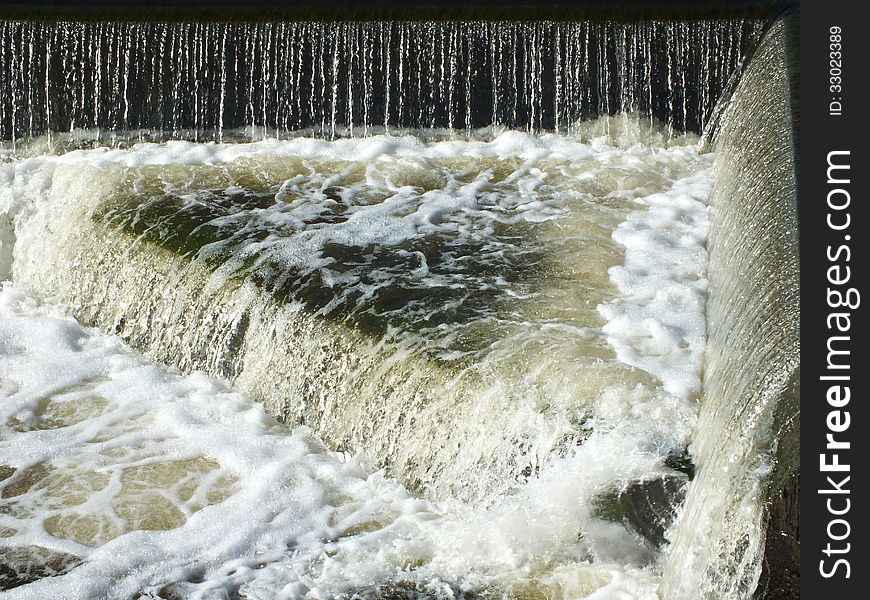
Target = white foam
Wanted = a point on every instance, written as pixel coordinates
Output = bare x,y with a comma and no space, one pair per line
547,162
296,520
657,323
270,512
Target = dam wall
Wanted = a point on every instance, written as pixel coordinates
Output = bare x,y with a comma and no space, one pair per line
154,248
745,447
201,80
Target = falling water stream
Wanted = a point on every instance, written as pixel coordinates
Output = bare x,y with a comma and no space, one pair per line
198,80
357,310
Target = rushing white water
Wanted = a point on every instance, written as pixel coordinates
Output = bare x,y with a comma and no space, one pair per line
752,370
155,481
510,385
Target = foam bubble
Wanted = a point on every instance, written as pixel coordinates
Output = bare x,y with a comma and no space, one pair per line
657,323
126,476
151,479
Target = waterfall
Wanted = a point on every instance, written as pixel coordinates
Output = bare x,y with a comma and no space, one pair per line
433,300
753,353
198,80
503,308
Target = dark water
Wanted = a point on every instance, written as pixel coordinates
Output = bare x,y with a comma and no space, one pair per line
198,80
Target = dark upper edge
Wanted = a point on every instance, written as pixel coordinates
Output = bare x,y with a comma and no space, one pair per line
348,10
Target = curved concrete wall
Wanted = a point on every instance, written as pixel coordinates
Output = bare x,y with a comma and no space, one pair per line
746,444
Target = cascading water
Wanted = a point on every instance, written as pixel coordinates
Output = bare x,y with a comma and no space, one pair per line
509,324
750,397
453,310
199,80
420,290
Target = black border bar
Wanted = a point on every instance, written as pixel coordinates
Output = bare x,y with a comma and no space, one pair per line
350,10
835,221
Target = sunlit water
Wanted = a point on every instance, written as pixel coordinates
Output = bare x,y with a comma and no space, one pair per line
473,345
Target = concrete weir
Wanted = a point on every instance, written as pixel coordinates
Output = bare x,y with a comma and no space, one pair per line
465,397
746,444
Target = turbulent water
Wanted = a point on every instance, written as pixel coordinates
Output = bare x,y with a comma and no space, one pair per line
751,393
484,352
